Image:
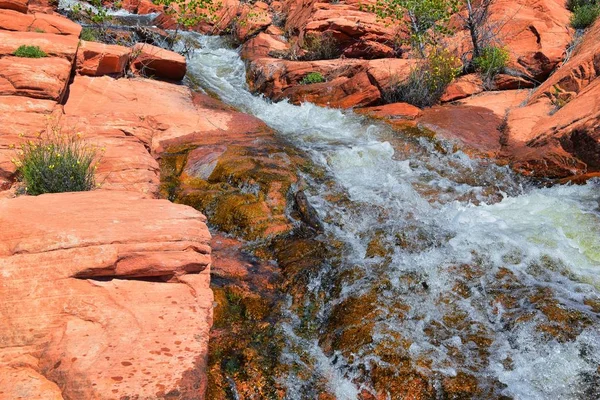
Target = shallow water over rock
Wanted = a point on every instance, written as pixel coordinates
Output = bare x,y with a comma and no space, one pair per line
431,275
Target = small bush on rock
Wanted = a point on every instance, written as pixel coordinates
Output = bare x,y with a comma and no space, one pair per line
56,163
320,47
428,81
491,61
30,52
312,77
573,4
89,34
584,15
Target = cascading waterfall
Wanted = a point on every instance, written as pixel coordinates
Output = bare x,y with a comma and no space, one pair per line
434,213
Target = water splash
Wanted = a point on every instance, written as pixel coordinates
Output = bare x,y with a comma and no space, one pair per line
473,271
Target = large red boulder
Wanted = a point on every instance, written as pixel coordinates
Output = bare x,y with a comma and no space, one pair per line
148,60
40,78
97,59
115,290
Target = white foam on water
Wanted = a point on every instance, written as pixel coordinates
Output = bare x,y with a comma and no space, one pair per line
441,201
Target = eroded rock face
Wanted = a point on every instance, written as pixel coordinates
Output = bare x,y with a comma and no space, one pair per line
98,59
129,318
37,22
346,83
556,132
149,60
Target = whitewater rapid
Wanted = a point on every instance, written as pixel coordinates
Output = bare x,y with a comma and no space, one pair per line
457,211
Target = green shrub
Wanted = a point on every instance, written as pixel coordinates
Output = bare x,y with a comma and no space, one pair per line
89,34
30,52
491,61
320,47
573,4
426,82
312,77
585,15
56,163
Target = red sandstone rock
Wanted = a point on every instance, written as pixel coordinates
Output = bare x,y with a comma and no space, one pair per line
38,22
99,339
17,5
556,132
389,72
220,22
101,59
535,32
347,82
21,118
509,82
462,87
476,121
264,45
136,119
397,114
357,33
252,19
41,78
150,60
53,45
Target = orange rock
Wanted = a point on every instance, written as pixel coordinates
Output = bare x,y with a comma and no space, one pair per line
252,19
509,82
357,33
475,121
136,119
536,34
24,382
222,18
462,87
53,45
347,82
150,60
395,113
19,116
41,78
147,7
389,72
101,59
130,333
555,133
264,45
38,22
17,5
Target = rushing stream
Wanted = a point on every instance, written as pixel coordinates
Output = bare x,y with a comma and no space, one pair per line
432,214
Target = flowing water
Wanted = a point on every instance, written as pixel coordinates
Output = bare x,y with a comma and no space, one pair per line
473,271
453,264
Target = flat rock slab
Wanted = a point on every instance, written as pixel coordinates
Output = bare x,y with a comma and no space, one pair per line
158,114
53,45
40,78
105,295
11,20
